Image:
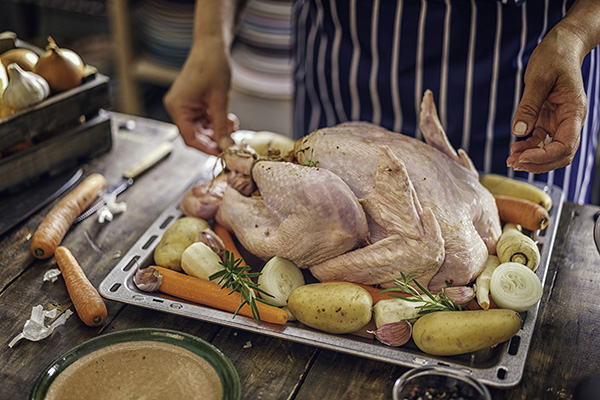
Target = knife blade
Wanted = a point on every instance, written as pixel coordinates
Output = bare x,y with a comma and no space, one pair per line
128,178
26,202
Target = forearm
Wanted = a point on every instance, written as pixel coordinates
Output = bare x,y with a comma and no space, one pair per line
217,20
582,21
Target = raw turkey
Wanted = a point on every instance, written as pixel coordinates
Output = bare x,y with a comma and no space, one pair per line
364,204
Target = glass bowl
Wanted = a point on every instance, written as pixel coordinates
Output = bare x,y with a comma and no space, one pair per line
185,343
441,383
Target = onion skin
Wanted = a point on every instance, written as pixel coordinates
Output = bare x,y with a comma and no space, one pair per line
26,59
63,69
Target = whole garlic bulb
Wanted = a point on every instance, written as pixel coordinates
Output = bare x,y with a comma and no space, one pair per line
24,88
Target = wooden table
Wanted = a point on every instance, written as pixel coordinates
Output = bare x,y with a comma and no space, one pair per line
565,348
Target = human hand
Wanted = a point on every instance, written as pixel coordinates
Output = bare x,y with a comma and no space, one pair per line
198,100
553,106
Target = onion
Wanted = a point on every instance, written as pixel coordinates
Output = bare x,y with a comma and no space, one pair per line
515,286
63,69
26,59
279,277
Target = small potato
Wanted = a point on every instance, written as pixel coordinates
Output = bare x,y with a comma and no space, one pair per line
334,307
447,333
176,239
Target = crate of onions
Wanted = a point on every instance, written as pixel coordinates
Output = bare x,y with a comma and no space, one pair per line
51,111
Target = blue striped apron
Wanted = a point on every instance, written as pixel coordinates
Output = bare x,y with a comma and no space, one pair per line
359,60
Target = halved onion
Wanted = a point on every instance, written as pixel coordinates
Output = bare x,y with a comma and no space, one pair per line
516,287
278,278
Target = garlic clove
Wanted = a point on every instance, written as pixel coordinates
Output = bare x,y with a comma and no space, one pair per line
460,295
210,238
147,279
394,334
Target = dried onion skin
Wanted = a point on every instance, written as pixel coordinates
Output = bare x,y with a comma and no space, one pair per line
63,69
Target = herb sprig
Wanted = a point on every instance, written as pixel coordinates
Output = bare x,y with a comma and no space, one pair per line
309,162
238,278
433,302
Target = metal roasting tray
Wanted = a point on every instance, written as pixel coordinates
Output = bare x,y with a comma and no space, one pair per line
501,366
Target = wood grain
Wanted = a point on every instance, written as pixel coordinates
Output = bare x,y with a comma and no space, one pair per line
564,350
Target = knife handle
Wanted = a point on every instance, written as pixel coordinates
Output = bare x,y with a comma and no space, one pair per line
148,161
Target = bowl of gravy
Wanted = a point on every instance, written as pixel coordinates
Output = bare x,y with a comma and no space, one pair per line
141,363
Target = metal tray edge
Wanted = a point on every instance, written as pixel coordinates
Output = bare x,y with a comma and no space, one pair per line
506,373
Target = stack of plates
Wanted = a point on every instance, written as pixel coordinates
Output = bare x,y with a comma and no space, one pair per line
262,51
164,29
261,54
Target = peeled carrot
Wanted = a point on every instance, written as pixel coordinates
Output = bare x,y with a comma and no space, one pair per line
228,241
474,305
526,213
55,225
87,301
211,294
375,292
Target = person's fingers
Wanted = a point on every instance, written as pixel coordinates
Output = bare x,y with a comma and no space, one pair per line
529,155
538,138
535,94
234,122
207,145
544,167
220,122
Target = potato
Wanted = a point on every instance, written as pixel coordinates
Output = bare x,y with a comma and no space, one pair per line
447,333
176,239
334,307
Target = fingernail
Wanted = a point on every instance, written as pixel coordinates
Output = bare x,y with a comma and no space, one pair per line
520,128
509,164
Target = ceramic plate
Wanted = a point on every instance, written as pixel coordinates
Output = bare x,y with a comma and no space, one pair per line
228,375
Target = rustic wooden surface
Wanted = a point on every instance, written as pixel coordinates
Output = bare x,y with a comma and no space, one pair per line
564,350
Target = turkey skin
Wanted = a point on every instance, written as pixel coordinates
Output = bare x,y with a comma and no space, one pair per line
363,204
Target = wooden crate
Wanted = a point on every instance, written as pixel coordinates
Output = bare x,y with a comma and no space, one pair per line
65,129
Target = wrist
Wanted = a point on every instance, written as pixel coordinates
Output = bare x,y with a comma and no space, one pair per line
569,43
215,21
583,22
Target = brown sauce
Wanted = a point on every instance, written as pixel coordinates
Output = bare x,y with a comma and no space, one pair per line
138,370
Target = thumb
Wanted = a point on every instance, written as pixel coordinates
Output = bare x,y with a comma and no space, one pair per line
220,122
529,108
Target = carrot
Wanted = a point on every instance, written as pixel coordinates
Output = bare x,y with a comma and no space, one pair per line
474,305
211,294
376,294
87,301
228,241
57,222
526,213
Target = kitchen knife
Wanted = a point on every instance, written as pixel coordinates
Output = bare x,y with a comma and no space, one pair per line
129,177
19,206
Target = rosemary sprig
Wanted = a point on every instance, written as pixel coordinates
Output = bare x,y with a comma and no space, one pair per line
309,161
433,302
238,278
